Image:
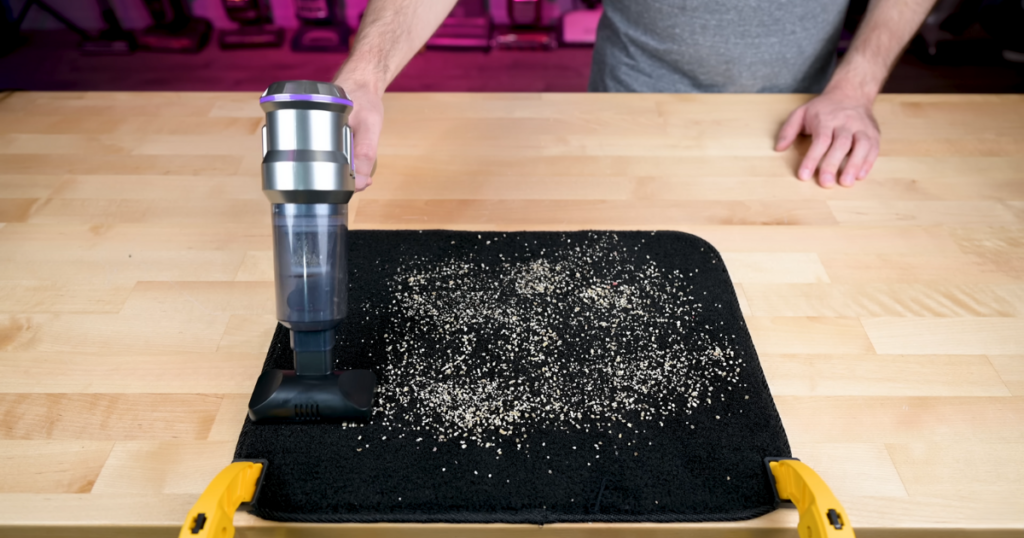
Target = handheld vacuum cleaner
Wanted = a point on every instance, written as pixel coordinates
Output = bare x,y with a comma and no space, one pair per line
308,178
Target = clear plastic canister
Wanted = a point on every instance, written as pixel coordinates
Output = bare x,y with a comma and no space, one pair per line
311,265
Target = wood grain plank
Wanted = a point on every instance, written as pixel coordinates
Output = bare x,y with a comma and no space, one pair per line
888,516
16,330
52,466
71,514
233,409
681,108
103,417
1011,371
249,108
175,165
201,298
17,209
942,189
886,300
901,213
943,167
257,266
882,375
532,137
129,144
33,296
17,124
248,333
120,269
808,335
757,267
901,419
885,268
75,333
130,372
391,183
23,241
582,214
28,186
915,336
160,187
998,143
144,467
989,471
583,166
788,187
517,105
990,242
159,212
93,126
853,469
827,241
89,211
91,108
250,144
64,144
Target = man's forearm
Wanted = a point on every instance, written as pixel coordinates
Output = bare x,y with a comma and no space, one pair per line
887,27
389,35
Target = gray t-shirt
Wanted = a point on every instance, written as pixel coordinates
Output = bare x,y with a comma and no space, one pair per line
734,46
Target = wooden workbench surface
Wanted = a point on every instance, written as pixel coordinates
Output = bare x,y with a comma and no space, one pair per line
136,299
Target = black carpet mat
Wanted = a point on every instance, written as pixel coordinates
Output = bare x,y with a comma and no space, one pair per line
533,378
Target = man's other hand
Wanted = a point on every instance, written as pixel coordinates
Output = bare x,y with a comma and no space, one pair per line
366,121
841,128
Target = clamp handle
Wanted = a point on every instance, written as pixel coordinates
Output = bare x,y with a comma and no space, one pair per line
214,512
821,515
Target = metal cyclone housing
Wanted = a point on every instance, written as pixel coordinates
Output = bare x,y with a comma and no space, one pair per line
307,144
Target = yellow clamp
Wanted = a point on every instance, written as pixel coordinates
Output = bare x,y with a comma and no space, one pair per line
213,514
821,515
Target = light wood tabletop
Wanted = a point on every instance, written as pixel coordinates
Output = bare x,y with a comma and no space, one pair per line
136,299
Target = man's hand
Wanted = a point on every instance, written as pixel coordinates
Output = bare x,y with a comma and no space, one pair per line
366,120
839,120
841,128
390,33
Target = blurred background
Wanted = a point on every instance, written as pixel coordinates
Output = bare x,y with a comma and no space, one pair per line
974,46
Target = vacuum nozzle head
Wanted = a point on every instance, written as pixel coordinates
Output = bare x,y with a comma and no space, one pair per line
281,395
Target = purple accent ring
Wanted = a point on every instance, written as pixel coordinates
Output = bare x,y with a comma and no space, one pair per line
305,97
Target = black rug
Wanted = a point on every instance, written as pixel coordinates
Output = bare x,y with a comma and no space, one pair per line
533,378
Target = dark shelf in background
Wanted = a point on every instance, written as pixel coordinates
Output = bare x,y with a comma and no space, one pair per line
50,61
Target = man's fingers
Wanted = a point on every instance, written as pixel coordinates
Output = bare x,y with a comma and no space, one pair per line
869,161
364,158
365,154
366,121
790,129
819,145
841,143
855,164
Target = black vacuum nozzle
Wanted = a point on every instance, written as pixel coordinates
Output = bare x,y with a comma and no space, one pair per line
285,396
